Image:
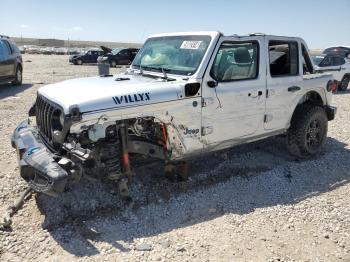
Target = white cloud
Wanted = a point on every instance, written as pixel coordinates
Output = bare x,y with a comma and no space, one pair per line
24,26
77,28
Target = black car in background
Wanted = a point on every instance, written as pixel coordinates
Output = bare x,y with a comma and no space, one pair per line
89,56
11,64
338,50
118,56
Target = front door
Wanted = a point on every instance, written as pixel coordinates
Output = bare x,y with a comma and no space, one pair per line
234,91
123,57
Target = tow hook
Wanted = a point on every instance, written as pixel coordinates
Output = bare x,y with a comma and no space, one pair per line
6,220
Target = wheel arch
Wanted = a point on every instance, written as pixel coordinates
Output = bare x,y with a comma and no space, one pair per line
19,65
312,97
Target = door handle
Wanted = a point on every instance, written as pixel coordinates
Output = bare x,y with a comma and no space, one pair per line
293,88
259,94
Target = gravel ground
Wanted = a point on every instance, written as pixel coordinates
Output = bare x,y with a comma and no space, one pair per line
250,203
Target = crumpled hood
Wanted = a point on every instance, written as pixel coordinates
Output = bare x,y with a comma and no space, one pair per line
98,93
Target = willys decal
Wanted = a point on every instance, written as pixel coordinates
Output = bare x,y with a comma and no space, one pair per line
126,99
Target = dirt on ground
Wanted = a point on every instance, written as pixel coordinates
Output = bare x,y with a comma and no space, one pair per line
251,203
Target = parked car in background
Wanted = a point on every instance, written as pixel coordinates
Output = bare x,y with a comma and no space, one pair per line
89,56
119,56
338,50
339,66
11,64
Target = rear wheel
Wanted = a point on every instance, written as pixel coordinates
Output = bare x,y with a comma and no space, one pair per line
308,131
343,85
79,62
18,77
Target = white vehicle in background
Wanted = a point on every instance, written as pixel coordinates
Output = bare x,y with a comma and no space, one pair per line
339,66
184,95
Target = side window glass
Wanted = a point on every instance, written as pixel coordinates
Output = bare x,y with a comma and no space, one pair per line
8,50
15,48
327,61
338,61
236,61
283,58
123,52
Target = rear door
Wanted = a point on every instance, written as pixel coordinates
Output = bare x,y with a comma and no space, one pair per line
233,92
284,81
7,61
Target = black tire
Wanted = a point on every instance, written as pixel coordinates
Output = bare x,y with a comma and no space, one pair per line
79,62
308,131
18,77
343,84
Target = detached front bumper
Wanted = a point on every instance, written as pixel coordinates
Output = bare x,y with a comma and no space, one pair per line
36,162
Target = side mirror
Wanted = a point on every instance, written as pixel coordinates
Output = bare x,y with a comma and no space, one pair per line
212,84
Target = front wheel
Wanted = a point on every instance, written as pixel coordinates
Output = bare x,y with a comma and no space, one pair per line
343,85
79,62
308,131
18,76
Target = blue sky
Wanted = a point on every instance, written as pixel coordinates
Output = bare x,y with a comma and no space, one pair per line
321,23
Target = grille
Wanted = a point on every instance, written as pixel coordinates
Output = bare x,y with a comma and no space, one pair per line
44,112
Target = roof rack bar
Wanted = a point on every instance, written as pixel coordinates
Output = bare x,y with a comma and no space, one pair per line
256,34
5,36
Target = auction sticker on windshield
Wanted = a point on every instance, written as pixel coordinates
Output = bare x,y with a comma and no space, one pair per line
190,44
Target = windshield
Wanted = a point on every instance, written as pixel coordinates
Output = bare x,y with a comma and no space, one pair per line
317,59
172,54
115,51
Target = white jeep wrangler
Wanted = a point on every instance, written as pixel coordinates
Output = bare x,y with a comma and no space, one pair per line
185,94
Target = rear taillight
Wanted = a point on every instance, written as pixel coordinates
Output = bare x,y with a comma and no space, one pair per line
332,86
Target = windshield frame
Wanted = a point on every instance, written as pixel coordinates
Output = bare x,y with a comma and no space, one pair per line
160,69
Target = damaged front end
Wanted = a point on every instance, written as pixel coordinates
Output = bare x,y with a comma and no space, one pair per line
50,156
